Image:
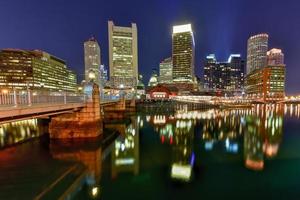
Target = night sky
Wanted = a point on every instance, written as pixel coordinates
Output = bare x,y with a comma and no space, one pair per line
220,26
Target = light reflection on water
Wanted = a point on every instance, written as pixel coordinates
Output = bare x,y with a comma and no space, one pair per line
15,132
255,133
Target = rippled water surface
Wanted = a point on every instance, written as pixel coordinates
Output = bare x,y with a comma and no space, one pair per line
178,152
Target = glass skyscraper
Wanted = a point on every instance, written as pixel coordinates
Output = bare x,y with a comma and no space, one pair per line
257,52
183,49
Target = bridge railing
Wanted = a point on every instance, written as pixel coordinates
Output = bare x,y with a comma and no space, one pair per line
30,98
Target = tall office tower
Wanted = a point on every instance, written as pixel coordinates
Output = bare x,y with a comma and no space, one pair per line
92,60
275,57
123,55
257,52
166,71
237,69
183,49
35,70
225,76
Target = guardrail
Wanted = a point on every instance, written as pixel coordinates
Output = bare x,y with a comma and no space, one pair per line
29,98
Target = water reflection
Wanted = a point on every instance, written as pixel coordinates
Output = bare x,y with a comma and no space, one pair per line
182,151
15,132
89,155
125,152
256,132
262,135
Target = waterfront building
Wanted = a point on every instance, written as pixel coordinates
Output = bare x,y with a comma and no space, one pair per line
123,56
92,60
227,77
35,70
166,71
267,84
161,92
265,79
183,50
257,52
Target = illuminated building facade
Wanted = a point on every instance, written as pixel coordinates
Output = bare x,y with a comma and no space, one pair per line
92,60
268,84
224,76
183,50
257,52
162,92
35,70
166,71
275,57
123,56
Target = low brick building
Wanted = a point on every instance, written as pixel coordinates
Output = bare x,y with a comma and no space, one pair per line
161,92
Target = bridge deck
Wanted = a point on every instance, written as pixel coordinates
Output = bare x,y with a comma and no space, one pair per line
7,112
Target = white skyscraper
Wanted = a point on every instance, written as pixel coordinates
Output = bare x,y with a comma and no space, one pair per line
123,55
257,52
92,60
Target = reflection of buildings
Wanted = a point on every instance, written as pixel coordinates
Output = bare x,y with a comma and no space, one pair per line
89,155
125,152
222,126
14,132
262,135
179,133
182,151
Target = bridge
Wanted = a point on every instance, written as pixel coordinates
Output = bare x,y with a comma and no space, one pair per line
24,105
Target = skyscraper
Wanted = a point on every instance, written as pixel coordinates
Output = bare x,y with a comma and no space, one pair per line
166,71
123,55
225,76
92,60
183,48
257,52
237,72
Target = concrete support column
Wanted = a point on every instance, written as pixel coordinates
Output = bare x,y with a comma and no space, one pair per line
85,123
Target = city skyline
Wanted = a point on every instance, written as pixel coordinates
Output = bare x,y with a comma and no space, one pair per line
232,39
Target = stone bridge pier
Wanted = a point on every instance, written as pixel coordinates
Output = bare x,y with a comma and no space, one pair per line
85,123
